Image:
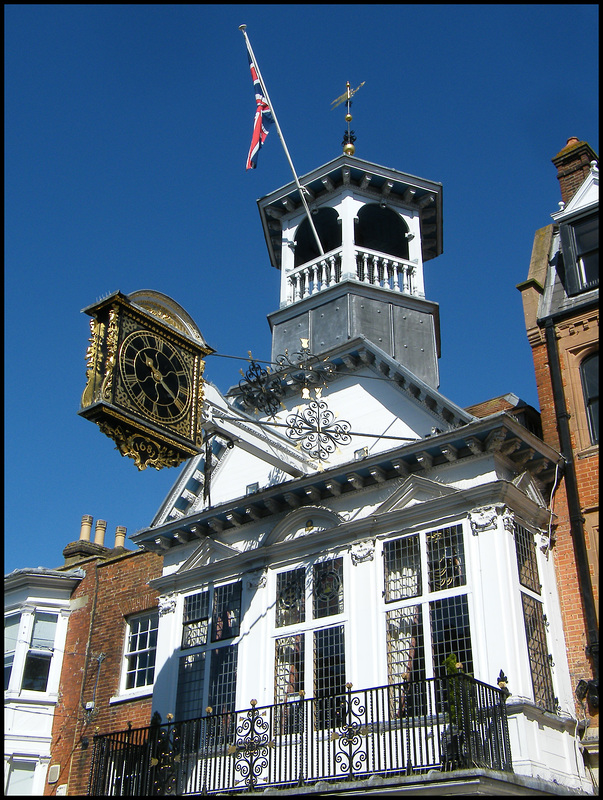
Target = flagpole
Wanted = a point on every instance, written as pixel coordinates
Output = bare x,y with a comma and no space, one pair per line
243,29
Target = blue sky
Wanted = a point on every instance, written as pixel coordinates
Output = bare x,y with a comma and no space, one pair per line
126,133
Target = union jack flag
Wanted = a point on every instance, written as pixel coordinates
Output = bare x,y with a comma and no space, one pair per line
263,119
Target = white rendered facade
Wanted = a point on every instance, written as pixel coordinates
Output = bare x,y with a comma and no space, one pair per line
422,533
36,614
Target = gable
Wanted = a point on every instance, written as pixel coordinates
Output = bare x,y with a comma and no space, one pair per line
587,195
305,521
414,490
526,484
208,552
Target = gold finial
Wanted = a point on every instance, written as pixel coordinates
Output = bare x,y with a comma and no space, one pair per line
348,136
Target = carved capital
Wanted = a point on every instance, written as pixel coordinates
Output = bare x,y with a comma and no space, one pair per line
257,579
487,518
167,604
362,551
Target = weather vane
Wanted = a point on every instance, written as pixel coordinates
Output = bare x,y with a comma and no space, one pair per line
348,136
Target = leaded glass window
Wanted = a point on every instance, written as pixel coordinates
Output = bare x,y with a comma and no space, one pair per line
540,665
291,597
402,560
196,620
310,657
207,678
405,651
328,588
289,666
416,566
191,680
329,676
450,633
446,558
527,564
226,615
223,679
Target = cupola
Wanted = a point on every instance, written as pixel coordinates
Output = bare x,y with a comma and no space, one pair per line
376,227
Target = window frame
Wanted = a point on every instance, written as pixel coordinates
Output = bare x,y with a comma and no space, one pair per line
576,278
11,652
590,399
208,676
130,653
426,601
532,599
314,620
26,649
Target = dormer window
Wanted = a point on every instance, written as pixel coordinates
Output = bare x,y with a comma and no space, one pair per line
580,248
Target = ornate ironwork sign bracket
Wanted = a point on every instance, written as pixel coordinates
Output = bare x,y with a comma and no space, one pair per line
316,431
263,390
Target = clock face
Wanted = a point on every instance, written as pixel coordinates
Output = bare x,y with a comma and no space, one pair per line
156,376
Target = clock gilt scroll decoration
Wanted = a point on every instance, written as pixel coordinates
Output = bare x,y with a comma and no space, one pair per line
144,377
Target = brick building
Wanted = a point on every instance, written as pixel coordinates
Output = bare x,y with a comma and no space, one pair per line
103,655
560,299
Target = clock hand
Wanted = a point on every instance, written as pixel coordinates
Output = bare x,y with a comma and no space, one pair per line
158,377
167,388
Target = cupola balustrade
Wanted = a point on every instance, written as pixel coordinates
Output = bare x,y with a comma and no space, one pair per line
367,267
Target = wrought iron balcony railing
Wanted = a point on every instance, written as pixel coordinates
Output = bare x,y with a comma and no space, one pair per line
404,729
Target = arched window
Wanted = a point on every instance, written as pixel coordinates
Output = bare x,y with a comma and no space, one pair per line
589,372
326,222
381,229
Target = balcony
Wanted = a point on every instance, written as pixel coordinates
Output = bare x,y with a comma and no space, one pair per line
406,729
367,266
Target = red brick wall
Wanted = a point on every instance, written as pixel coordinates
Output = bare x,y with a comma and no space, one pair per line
587,474
112,590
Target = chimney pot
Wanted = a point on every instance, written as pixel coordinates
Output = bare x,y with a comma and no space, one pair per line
120,536
85,528
99,532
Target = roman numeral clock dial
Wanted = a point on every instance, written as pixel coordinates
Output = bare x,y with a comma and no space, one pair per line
155,377
145,377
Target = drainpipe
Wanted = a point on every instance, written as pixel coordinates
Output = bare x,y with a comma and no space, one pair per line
573,499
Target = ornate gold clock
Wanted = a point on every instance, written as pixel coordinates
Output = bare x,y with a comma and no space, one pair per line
145,386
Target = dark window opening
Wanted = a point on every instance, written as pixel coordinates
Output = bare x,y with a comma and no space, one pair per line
580,249
527,565
328,227
381,229
540,665
589,372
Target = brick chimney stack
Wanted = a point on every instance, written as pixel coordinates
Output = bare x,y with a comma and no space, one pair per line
573,166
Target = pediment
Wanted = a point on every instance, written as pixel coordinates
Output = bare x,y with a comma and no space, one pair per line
208,552
586,195
414,490
526,484
306,521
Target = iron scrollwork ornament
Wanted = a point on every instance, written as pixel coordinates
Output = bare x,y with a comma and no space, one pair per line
316,430
351,756
251,748
261,389
165,759
305,370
